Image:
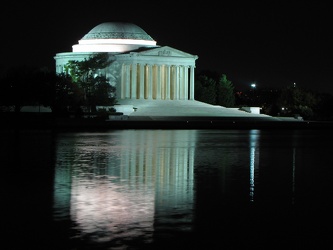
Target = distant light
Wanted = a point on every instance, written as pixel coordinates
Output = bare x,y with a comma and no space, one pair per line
253,85
294,84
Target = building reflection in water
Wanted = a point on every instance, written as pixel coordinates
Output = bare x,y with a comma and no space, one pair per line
254,159
117,184
132,182
293,175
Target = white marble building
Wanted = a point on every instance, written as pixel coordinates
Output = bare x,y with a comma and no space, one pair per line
151,81
140,69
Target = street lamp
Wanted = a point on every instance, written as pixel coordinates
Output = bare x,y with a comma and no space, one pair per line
253,94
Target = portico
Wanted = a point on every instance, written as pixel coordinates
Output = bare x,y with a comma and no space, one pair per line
157,81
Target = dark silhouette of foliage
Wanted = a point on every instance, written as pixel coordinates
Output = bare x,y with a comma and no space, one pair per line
323,110
87,75
205,90
297,101
68,97
225,92
83,84
214,89
23,86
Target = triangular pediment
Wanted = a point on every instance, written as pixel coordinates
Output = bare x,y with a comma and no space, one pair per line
164,51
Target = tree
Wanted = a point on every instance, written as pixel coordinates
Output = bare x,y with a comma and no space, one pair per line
296,100
103,94
87,75
214,89
205,89
225,95
323,110
24,85
67,96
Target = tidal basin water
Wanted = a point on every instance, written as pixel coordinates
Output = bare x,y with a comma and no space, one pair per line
167,189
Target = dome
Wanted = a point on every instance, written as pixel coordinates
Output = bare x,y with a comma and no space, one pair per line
117,30
117,37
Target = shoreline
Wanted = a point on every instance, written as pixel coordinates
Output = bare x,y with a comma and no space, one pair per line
62,124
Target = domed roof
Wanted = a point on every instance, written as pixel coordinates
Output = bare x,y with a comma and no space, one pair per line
117,30
114,37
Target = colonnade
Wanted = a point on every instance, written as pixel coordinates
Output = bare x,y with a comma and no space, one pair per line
159,82
170,168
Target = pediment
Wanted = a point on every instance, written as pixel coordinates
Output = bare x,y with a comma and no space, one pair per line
165,51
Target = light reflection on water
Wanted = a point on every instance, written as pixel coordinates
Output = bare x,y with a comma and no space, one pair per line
114,185
168,189
254,159
149,184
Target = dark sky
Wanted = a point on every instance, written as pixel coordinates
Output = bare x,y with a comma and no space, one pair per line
271,43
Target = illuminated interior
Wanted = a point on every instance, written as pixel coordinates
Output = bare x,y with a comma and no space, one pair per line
114,37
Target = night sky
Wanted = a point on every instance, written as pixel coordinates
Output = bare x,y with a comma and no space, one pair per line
271,43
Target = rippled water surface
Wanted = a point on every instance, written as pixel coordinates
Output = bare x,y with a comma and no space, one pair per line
167,189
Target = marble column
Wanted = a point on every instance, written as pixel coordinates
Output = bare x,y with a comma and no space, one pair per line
142,82
123,82
192,83
158,82
186,83
181,83
127,82
133,80
150,82
167,84
177,84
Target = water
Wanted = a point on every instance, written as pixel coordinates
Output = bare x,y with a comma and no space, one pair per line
166,189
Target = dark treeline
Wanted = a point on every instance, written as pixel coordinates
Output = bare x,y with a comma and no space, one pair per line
78,90
216,89
69,92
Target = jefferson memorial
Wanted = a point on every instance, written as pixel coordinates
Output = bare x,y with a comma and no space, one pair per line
150,80
140,69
